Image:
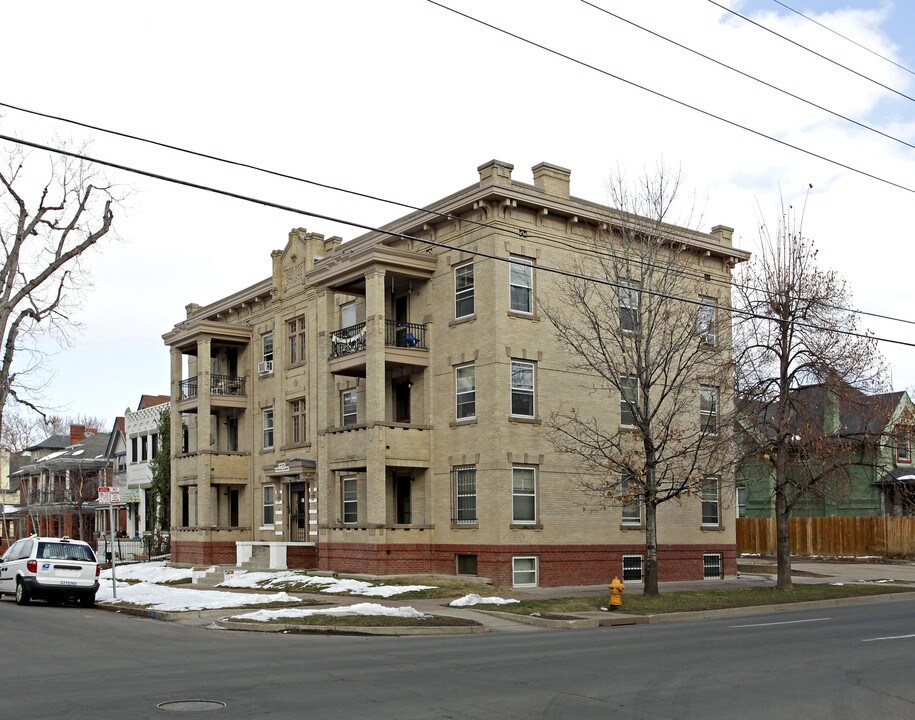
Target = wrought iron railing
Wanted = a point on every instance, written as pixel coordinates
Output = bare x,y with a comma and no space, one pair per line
347,340
219,385
188,389
405,335
227,385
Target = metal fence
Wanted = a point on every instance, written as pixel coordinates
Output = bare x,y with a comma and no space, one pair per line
880,536
132,549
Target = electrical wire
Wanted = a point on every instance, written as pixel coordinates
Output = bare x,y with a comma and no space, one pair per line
673,232
845,37
404,236
674,100
813,52
749,76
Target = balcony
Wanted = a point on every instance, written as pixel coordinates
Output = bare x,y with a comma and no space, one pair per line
225,391
404,446
405,344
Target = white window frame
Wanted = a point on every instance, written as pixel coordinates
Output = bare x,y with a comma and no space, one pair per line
630,297
349,499
710,496
269,506
903,444
623,568
708,409
349,399
297,421
521,390
467,396
627,412
267,347
522,283
526,572
464,489
705,318
466,292
741,498
707,565
628,486
522,493
268,428
345,310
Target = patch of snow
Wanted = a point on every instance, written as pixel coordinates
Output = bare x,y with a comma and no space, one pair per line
53,455
172,599
318,583
357,609
150,572
474,599
78,452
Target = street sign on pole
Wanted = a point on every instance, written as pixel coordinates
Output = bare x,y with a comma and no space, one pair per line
111,495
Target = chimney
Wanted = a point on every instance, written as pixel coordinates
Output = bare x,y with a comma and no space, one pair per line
552,179
496,172
723,233
78,433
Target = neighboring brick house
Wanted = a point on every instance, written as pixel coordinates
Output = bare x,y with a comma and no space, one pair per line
380,406
142,435
59,484
873,475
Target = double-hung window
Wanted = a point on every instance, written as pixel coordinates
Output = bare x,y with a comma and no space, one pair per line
349,408
347,315
524,571
631,501
524,495
710,501
463,291
522,380
708,409
465,495
297,341
267,345
268,428
903,444
629,399
629,296
297,421
705,319
268,506
521,285
350,492
144,448
465,391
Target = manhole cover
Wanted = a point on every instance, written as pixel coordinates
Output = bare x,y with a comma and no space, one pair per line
191,705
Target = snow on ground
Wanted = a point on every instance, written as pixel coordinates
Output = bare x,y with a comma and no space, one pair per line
151,572
174,599
357,609
318,583
474,599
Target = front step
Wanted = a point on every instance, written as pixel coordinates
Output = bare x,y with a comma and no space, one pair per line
213,576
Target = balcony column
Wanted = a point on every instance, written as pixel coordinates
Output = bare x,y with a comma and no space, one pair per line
375,398
322,415
175,434
205,507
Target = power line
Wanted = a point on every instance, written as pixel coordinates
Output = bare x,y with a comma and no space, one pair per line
404,236
531,233
669,98
813,52
845,37
749,76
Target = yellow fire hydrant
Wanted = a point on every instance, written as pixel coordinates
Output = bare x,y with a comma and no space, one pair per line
616,594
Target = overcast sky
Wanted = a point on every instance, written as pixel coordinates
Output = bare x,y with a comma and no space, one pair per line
403,99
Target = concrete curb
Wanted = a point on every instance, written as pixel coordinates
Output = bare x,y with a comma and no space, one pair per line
405,630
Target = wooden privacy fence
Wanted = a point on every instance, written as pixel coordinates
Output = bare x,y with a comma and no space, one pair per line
834,536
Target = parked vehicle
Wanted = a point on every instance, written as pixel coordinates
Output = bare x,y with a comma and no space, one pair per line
52,569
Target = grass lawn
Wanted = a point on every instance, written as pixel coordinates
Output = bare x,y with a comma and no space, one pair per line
694,600
443,587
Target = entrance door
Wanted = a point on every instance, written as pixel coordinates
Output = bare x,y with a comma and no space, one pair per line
233,507
402,489
401,317
298,501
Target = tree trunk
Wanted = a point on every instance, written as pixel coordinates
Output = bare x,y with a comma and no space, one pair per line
782,529
651,550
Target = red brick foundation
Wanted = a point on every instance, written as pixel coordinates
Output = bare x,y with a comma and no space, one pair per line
558,564
301,558
203,553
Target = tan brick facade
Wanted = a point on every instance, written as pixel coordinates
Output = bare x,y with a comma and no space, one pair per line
395,442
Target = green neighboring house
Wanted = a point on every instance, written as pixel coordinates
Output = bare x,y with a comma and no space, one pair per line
865,440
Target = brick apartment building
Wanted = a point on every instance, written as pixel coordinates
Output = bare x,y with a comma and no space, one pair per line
381,405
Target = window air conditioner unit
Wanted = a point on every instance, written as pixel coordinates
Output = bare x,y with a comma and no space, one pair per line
265,367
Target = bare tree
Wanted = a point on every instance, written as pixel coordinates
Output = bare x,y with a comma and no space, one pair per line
43,272
648,331
794,331
20,430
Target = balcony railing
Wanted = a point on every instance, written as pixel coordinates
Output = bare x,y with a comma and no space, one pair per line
405,335
347,340
219,385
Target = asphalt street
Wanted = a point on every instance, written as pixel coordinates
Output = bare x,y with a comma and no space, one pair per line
836,663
